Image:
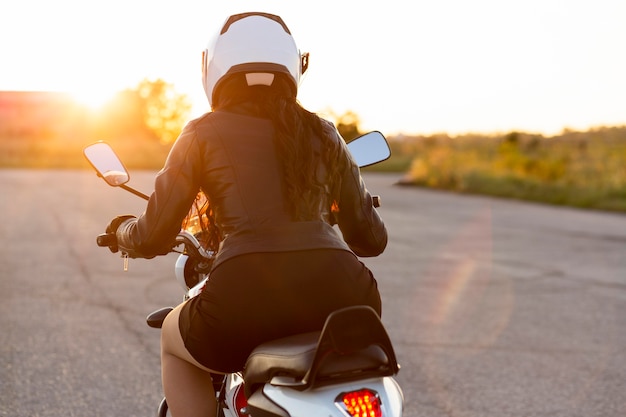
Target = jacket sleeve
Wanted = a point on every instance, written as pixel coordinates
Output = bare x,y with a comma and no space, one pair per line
359,222
176,186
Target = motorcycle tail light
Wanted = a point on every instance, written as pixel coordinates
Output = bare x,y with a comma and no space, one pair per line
361,403
241,402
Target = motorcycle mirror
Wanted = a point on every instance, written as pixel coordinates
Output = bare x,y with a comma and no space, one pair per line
369,149
107,164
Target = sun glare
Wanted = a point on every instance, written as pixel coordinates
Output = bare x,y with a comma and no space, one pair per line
92,99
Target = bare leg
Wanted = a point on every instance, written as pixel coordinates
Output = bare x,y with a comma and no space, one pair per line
187,384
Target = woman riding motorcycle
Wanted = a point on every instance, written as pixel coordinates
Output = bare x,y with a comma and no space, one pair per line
277,178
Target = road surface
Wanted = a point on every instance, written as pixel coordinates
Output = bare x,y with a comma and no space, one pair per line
495,307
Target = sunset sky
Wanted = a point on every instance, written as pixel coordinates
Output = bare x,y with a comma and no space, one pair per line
404,67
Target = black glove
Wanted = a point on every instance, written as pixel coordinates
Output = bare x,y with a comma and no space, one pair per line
111,231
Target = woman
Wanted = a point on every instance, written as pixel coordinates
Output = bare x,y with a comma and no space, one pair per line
276,177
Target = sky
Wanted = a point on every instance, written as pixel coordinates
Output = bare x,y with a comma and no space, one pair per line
404,67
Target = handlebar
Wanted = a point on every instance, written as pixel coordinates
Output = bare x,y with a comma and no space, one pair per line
106,239
199,258
192,245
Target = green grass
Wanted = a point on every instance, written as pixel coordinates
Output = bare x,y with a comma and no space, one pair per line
579,169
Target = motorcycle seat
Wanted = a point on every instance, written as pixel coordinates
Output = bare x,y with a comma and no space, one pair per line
316,358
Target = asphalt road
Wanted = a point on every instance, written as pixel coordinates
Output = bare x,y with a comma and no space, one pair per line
495,307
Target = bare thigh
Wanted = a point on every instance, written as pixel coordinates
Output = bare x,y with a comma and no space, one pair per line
172,341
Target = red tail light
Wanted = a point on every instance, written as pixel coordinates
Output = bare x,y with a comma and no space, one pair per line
240,401
362,403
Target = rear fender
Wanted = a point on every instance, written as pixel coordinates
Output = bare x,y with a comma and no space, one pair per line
275,401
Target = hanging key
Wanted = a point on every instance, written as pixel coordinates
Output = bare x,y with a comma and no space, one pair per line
125,257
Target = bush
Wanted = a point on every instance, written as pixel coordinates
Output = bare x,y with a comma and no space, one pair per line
582,169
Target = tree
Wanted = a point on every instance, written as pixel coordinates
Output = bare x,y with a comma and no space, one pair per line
152,108
347,124
164,111
122,116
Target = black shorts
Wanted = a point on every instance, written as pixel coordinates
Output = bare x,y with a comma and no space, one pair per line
254,298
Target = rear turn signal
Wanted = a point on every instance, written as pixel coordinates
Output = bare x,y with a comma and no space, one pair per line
362,403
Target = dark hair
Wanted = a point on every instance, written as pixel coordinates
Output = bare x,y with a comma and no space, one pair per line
309,169
296,129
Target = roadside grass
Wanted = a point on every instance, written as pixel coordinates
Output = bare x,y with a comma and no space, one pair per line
65,153
578,169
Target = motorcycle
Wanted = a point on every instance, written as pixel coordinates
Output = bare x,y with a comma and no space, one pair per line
346,369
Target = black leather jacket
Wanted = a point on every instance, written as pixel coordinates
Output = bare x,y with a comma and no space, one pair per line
231,157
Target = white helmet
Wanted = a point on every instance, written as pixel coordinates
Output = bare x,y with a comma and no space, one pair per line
257,44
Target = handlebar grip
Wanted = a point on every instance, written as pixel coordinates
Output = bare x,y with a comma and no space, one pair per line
376,200
106,239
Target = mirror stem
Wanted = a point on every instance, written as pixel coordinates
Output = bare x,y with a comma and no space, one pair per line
132,190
